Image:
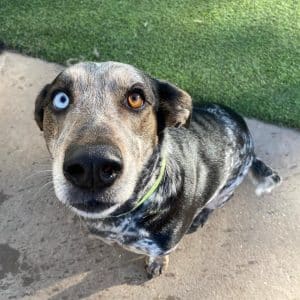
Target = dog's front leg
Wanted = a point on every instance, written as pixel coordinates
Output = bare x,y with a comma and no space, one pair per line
155,265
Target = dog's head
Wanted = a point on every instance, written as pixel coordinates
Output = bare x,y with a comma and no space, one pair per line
101,123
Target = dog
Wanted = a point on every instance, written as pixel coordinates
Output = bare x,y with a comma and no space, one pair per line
137,162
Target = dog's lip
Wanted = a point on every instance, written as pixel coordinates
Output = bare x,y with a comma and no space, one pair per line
91,206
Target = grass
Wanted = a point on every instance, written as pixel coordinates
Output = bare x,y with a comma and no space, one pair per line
243,53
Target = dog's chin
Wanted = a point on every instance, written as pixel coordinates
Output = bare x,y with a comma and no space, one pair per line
92,208
92,213
87,205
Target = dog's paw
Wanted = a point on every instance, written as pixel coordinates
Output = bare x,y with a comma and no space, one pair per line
156,265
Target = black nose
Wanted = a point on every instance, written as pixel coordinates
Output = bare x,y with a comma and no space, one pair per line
93,166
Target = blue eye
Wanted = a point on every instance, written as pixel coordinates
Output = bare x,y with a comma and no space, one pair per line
61,101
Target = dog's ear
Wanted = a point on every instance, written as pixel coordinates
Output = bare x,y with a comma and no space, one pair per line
175,105
39,106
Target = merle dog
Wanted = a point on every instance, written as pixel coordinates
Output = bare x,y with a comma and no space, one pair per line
132,157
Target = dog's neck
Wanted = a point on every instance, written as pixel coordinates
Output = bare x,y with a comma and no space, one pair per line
159,180
146,189
150,179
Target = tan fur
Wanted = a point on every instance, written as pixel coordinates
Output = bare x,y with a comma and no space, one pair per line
97,115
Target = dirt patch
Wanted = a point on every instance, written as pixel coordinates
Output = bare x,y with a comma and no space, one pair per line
8,260
3,197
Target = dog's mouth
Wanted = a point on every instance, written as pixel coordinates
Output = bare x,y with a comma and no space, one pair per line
91,205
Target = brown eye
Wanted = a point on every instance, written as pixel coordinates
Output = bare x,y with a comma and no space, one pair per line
135,100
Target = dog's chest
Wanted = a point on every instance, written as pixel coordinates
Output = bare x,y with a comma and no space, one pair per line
127,234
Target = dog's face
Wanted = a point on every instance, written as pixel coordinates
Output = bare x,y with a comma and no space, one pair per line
101,123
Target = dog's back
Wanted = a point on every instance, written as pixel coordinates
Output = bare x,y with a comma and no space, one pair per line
226,152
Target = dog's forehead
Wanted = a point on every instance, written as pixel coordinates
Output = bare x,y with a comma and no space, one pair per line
102,74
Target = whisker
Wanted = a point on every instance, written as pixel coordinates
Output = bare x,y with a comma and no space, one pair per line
30,186
49,165
43,158
37,173
42,187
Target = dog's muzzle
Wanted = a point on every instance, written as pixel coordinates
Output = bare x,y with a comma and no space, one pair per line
91,170
92,167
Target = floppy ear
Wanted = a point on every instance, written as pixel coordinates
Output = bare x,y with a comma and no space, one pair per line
39,106
175,105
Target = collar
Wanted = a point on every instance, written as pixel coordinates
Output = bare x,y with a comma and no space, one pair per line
150,191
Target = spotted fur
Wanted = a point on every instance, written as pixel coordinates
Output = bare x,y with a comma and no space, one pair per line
208,153
209,189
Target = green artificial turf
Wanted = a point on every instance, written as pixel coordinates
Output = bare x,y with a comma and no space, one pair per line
245,54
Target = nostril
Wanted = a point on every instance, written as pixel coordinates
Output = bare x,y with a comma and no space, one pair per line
75,173
75,170
109,172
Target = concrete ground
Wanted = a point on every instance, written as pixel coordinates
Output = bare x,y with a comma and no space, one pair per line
250,249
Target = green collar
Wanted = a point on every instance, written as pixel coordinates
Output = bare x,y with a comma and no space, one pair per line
151,191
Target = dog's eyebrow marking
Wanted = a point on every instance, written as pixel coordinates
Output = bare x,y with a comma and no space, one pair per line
115,87
137,85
